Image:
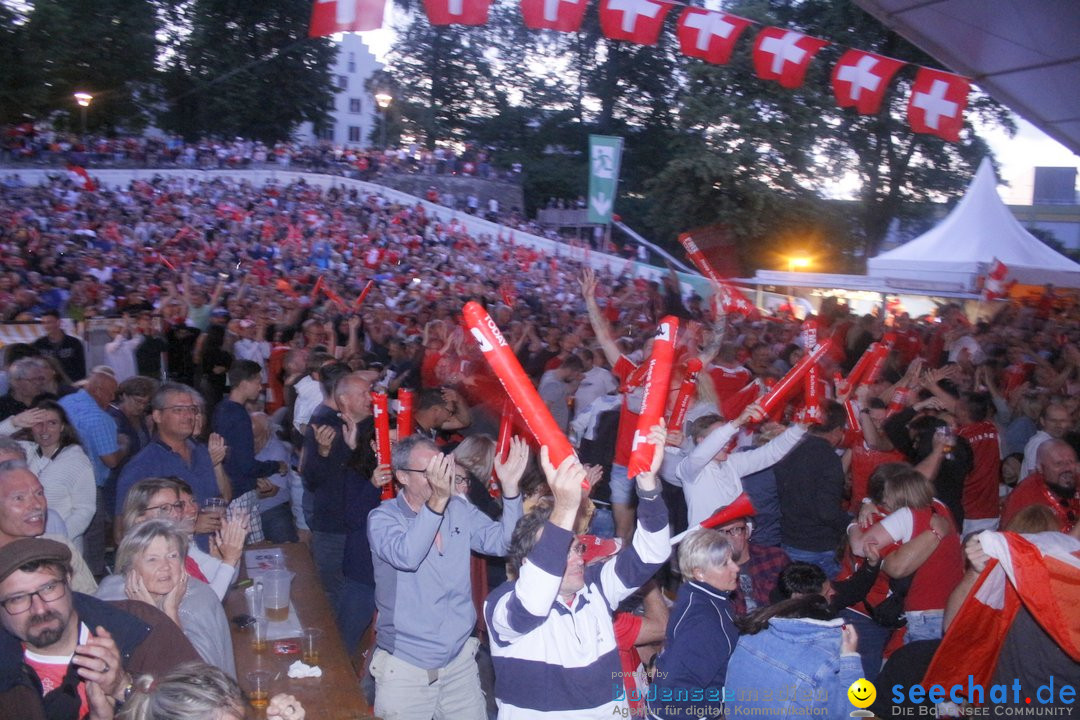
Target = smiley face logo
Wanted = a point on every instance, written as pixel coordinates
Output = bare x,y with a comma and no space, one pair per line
862,693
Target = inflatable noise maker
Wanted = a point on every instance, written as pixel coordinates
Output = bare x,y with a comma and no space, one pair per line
380,409
654,400
783,389
739,508
685,396
404,415
505,365
502,445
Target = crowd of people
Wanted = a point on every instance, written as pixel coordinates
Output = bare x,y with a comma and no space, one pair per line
250,326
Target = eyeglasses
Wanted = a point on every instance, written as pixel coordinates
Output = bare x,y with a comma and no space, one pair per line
183,409
736,531
48,593
166,509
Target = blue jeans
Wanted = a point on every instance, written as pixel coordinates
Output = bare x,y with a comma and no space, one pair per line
328,550
872,640
277,524
923,625
354,611
824,560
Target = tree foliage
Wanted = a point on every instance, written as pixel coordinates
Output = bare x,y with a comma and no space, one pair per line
246,69
106,48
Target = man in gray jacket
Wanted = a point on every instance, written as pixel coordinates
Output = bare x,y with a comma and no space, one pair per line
424,664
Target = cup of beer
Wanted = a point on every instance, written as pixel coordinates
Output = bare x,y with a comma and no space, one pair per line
277,585
259,688
311,641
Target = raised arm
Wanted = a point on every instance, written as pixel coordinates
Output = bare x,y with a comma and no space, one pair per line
596,318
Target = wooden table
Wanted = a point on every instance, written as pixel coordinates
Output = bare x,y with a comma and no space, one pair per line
334,696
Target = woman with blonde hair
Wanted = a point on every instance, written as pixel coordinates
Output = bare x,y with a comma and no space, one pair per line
196,691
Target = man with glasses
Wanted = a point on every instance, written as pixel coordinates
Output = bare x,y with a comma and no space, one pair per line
28,377
759,566
65,655
172,452
23,512
424,664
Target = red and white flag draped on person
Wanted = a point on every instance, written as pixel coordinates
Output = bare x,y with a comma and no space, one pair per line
937,103
994,286
78,175
561,15
860,79
709,35
783,55
1039,572
637,21
457,12
334,16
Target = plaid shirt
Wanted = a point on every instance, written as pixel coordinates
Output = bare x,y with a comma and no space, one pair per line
249,503
757,578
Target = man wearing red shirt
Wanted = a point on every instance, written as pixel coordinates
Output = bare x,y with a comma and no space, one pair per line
981,484
1053,485
727,374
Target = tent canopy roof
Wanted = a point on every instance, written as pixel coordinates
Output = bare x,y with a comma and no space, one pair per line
963,245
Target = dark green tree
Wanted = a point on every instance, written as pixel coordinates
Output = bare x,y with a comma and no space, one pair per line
106,48
246,69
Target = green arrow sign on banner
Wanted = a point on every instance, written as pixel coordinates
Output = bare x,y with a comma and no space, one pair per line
605,153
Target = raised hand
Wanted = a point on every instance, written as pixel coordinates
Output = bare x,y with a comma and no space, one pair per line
511,471
217,447
324,438
440,477
566,486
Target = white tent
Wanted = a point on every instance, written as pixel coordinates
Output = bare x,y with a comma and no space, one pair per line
962,247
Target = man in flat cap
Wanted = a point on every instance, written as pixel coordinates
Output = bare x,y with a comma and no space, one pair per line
65,655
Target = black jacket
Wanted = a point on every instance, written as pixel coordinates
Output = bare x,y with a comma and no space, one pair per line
810,483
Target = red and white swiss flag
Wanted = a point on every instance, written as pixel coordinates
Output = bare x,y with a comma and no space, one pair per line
638,21
729,299
457,12
783,55
994,286
937,103
78,175
1040,572
334,16
561,15
709,35
860,79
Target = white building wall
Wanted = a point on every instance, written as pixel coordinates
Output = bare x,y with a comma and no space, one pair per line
354,111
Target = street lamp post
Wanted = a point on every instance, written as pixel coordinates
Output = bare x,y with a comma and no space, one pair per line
83,99
383,100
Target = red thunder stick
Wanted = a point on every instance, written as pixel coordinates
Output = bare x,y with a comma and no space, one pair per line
698,258
381,412
812,395
865,361
874,372
363,294
686,394
506,431
502,445
404,416
852,416
740,507
506,367
654,402
789,382
809,335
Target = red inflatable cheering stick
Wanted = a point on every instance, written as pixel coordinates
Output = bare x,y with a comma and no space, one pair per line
740,507
686,394
381,411
506,367
654,401
812,396
502,445
780,392
404,416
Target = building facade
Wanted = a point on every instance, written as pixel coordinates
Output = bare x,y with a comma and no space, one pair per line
353,118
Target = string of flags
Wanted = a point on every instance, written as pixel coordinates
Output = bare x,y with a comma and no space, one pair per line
860,79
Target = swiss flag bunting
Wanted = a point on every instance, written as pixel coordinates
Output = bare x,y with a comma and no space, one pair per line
860,79
783,55
937,103
457,12
561,15
637,21
334,16
709,35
